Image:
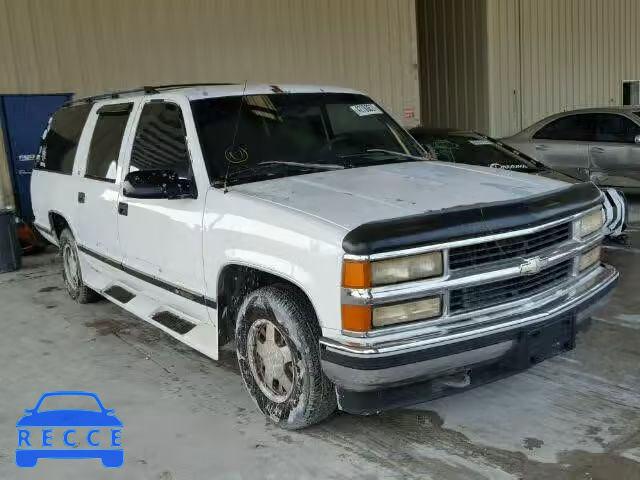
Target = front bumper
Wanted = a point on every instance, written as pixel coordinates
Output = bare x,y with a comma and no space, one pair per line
370,379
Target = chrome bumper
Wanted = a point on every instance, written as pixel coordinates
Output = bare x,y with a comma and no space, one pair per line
360,367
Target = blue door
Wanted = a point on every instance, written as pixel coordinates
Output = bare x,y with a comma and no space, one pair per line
23,118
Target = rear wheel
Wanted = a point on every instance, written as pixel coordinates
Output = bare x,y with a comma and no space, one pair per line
71,271
279,355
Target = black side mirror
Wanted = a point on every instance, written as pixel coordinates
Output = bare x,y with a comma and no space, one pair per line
158,184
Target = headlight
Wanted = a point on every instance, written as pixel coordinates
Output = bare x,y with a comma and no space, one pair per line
405,269
590,223
587,259
407,312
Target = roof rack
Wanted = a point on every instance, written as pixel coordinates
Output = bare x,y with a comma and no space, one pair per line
146,90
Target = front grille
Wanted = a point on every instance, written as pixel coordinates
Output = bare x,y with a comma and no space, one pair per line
503,291
520,246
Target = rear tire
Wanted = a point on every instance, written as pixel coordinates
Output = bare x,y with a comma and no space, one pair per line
278,352
71,272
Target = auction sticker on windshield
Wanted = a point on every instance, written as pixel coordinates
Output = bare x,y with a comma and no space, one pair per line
364,109
87,431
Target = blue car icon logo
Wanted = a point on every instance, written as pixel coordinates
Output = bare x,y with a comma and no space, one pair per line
40,428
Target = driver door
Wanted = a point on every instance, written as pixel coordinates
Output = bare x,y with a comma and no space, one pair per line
161,238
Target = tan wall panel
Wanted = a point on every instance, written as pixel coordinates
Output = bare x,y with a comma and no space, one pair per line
88,46
574,54
6,190
504,66
453,59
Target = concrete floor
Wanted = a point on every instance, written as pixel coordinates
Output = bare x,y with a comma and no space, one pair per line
576,416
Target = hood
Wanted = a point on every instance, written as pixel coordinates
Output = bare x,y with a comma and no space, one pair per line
349,198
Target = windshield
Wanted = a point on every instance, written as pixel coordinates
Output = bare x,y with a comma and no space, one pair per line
259,137
69,402
475,150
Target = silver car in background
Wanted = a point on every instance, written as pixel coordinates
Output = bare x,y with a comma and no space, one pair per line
598,144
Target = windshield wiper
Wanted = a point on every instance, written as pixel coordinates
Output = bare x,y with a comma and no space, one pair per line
397,154
262,165
319,166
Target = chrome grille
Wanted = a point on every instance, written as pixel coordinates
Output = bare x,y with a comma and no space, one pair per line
520,246
503,291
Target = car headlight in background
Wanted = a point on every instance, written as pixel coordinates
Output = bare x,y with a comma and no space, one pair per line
589,258
590,223
407,312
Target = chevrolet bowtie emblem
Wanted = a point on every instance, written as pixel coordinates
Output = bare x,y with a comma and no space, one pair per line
531,266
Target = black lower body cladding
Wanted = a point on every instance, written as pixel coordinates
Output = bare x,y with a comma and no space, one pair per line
469,221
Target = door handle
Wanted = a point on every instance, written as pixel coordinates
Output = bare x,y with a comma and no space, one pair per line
542,148
597,150
123,209
80,197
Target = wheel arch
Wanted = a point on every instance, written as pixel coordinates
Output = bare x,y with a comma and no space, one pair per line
235,282
58,222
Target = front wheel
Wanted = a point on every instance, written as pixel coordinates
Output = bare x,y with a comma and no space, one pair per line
279,355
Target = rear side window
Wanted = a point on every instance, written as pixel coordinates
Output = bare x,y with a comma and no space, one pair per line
58,149
615,128
573,127
104,150
160,142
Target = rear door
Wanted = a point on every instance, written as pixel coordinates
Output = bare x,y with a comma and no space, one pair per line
563,144
615,156
101,171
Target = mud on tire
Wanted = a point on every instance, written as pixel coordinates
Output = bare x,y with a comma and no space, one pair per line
74,284
310,397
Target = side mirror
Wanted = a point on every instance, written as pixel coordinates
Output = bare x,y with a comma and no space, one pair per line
636,139
158,184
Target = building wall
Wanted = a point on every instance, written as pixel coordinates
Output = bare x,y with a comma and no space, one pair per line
89,46
452,43
503,45
6,191
546,56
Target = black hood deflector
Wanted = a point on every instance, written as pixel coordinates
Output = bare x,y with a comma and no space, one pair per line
469,221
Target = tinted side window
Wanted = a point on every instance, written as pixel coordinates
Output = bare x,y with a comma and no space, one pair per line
58,149
572,127
106,141
160,142
615,128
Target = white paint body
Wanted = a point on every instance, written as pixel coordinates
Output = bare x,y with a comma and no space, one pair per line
291,227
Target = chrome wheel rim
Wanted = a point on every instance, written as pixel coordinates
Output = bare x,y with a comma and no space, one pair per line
271,360
70,264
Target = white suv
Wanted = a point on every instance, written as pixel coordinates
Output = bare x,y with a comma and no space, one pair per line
304,223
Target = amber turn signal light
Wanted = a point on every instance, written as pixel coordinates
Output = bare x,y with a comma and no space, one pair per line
356,318
356,274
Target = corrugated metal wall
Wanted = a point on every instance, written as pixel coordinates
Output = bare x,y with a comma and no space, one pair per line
87,46
503,36
554,55
452,40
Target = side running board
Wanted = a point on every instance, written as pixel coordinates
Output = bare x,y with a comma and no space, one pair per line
120,294
173,322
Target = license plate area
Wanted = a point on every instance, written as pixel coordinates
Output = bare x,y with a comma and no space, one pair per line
550,340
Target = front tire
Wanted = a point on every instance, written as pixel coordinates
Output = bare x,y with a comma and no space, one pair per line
71,272
279,356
